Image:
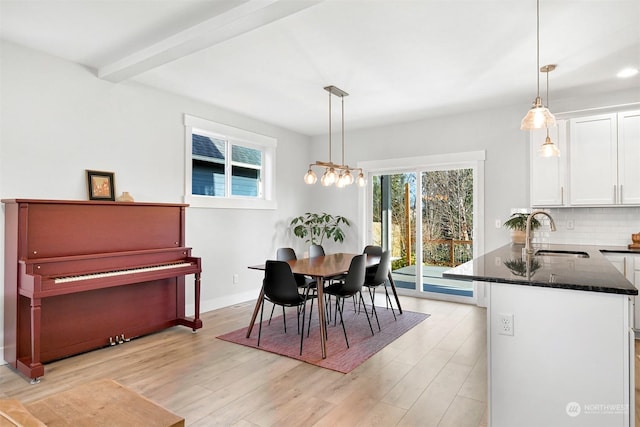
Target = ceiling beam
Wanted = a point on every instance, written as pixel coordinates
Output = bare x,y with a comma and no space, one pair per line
242,18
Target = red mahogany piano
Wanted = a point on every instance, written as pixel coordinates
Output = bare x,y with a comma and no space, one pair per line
79,274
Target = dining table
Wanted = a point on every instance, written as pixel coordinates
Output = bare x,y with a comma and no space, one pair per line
321,268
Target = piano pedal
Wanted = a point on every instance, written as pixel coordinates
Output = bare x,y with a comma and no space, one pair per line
120,340
111,342
123,339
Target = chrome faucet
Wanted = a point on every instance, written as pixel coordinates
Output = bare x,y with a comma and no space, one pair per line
528,249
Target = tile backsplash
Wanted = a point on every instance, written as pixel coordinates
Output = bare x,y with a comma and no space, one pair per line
590,226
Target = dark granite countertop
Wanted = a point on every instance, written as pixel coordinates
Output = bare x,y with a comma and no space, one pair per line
508,265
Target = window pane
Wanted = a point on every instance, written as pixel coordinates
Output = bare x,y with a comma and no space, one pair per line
208,172
246,171
394,204
447,228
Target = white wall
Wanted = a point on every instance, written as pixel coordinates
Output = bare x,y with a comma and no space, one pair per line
58,119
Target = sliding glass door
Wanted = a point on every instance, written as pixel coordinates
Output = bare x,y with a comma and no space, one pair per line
426,218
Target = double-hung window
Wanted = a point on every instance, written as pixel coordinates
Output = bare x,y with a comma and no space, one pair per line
228,167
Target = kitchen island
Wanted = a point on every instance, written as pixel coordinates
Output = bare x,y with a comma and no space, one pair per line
560,344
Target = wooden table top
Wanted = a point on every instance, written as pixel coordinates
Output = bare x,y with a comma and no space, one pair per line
324,266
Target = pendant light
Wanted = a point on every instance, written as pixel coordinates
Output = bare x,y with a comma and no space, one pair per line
538,116
548,149
339,174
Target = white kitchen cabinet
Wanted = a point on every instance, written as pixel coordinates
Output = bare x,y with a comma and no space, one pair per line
629,265
603,161
629,157
547,174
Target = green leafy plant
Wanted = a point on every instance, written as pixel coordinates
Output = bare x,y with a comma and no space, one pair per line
518,221
519,267
314,228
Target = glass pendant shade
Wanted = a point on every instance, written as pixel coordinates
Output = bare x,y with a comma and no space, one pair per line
360,180
549,149
348,177
332,176
538,117
310,177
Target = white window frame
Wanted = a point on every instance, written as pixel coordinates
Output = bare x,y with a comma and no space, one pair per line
239,137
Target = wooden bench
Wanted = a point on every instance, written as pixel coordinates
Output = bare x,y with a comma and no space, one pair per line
101,403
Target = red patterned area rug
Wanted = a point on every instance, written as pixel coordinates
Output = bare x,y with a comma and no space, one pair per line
362,345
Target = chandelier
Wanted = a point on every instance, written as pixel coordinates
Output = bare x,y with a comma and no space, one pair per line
339,174
538,116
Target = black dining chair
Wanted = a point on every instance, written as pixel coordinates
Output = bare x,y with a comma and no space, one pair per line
372,250
379,278
280,288
316,251
350,287
304,282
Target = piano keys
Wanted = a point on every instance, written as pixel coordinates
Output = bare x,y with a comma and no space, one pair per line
78,273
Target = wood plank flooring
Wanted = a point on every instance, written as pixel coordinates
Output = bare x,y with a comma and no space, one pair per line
434,375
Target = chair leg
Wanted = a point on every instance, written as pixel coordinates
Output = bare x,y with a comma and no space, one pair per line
310,314
304,308
372,295
273,307
284,319
260,326
342,321
390,304
365,312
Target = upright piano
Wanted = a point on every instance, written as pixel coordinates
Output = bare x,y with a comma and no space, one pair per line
80,274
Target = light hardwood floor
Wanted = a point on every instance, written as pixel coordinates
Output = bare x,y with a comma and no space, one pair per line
434,375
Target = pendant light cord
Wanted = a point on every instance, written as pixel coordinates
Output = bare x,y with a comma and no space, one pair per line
329,126
342,98
538,43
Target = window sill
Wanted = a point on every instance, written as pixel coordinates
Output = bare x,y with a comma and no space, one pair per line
209,202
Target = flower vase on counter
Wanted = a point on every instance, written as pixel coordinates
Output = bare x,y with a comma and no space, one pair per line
125,197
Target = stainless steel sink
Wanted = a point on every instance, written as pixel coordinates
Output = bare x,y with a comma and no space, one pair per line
571,254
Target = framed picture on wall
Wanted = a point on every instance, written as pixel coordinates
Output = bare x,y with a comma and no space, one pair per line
101,185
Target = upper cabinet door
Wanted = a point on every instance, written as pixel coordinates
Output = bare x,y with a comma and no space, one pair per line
629,158
593,160
547,174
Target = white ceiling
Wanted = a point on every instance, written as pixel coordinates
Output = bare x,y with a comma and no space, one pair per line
399,60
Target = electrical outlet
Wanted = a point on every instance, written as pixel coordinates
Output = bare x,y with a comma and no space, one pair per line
505,326
498,223
570,224
236,279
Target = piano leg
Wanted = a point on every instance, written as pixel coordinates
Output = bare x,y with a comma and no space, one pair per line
196,314
34,369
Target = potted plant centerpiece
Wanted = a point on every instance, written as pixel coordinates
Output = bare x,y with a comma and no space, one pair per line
518,225
314,227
